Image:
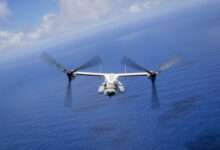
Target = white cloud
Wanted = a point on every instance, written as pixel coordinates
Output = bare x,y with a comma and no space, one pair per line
75,13
152,3
9,38
132,36
4,11
72,14
135,8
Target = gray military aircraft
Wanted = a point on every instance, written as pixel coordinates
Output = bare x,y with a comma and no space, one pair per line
111,86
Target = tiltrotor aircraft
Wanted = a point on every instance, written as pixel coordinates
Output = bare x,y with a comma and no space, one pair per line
111,85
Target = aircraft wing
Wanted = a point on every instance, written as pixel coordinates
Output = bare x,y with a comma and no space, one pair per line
89,74
133,74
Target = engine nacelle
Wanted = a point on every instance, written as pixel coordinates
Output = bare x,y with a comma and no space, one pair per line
121,87
101,89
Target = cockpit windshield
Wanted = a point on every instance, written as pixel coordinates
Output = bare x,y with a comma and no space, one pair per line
111,85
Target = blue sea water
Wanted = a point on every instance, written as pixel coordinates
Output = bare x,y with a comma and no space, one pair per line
181,112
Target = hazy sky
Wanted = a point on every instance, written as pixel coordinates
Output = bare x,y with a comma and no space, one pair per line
25,21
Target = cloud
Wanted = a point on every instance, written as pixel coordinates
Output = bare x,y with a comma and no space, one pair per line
8,39
132,36
75,13
72,14
144,5
135,8
4,11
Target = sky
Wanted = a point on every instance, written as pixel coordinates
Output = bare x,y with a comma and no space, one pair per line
23,22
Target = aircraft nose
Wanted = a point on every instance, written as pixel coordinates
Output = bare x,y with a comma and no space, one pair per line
110,93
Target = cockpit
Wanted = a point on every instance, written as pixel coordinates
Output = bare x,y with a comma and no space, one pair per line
110,85
110,88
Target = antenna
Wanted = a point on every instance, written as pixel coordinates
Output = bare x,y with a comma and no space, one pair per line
125,71
100,69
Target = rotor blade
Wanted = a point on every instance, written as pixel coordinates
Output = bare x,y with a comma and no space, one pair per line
46,57
154,97
93,62
173,61
133,64
68,98
187,64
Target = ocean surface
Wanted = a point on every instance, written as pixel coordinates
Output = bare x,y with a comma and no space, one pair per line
182,111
